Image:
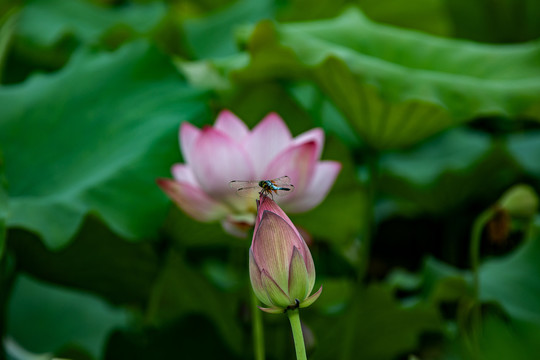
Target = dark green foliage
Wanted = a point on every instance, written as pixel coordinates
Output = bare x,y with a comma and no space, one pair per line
101,129
430,127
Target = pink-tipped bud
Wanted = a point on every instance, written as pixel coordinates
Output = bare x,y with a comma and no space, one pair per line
280,265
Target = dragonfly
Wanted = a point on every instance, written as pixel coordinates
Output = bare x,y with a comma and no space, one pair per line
280,186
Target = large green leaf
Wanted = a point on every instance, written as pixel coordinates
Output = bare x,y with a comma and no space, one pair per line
448,170
426,15
525,148
502,339
213,35
398,86
442,282
45,22
511,282
514,282
185,338
375,326
96,261
181,290
93,137
190,233
456,150
324,112
500,21
45,318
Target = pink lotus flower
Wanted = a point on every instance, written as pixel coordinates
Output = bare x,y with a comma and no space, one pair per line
281,268
230,151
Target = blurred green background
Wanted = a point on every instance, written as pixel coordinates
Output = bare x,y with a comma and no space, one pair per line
432,107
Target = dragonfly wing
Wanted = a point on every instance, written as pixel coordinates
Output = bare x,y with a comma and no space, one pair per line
238,184
249,191
283,185
284,190
252,189
283,181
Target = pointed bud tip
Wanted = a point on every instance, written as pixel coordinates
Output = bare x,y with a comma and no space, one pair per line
272,310
310,300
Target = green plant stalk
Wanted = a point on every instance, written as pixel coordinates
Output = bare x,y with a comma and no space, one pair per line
296,327
257,328
476,237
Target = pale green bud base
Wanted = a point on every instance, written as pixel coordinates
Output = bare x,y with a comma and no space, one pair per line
296,327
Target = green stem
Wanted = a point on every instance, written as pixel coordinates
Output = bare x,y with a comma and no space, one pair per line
475,242
476,237
257,328
296,327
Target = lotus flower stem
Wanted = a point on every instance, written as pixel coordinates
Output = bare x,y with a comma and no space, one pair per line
476,237
296,327
257,327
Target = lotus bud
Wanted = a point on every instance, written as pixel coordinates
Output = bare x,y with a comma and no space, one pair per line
281,268
520,201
